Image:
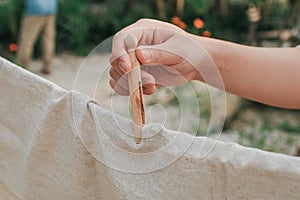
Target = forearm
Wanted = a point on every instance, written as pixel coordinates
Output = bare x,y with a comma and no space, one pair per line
267,75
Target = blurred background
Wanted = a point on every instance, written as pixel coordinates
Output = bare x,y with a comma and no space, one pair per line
83,24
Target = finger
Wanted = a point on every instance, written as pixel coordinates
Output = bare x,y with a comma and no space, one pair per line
148,83
118,88
172,52
147,32
119,56
122,62
119,79
116,73
149,89
161,54
120,84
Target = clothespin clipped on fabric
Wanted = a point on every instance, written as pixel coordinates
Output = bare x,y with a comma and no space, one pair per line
135,89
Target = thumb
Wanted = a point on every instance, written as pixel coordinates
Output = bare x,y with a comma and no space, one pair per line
154,54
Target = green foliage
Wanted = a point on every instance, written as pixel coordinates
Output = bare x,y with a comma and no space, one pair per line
290,128
200,7
82,24
72,29
227,27
10,14
259,3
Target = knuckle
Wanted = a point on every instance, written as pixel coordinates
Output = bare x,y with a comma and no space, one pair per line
142,21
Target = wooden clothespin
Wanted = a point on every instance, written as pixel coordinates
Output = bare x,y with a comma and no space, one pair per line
135,89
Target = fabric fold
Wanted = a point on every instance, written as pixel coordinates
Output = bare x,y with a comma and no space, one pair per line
58,144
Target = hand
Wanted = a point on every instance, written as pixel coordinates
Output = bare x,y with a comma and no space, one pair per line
168,56
171,56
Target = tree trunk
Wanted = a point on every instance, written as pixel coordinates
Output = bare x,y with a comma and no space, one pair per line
160,6
128,6
223,7
179,7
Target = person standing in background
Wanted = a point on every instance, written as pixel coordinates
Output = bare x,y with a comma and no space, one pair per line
39,18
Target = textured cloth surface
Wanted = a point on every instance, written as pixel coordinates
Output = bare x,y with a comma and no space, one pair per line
56,144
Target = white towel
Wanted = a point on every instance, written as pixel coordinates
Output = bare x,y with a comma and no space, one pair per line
56,144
